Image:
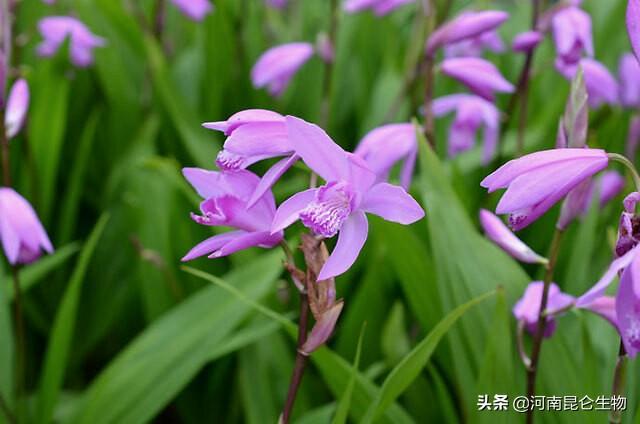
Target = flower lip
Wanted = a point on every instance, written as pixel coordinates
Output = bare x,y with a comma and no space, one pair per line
331,208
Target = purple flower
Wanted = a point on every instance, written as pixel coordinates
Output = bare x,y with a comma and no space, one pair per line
628,307
629,226
17,106
384,146
225,197
475,46
278,65
481,76
194,9
629,72
526,41
601,85
379,7
56,29
571,35
527,309
325,48
496,231
472,112
537,181
633,138
464,26
633,25
255,135
22,235
339,206
277,4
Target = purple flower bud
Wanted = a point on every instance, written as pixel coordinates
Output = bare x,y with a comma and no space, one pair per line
278,65
633,137
325,48
17,106
496,231
628,307
384,146
475,46
21,232
571,35
629,73
527,309
472,112
323,329
481,76
537,181
633,25
629,226
464,26
379,7
56,29
225,204
526,41
194,9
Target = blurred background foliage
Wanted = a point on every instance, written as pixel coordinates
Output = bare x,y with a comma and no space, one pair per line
119,333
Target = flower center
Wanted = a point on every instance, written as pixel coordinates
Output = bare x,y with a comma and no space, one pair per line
228,161
327,213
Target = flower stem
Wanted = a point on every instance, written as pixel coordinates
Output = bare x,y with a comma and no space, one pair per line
532,370
301,360
429,60
327,82
615,415
627,163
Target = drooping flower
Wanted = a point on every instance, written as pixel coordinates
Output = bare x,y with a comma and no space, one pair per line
379,7
56,29
17,106
633,25
629,226
472,112
475,46
527,309
572,37
526,41
629,75
385,146
537,181
225,196
21,232
464,26
633,138
255,135
496,231
480,76
275,68
339,206
194,9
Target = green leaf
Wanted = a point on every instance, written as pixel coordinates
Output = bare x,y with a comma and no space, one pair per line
55,362
411,365
344,404
7,347
158,363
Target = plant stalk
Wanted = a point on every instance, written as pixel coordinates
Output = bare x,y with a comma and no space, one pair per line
619,377
532,370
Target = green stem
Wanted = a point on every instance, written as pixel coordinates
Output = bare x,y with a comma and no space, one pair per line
627,163
532,370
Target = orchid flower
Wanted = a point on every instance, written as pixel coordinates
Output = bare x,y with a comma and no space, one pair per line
629,226
629,75
17,106
526,41
464,26
22,235
572,36
537,181
475,46
480,76
340,205
56,29
225,197
194,9
275,68
472,112
633,25
384,146
379,7
255,135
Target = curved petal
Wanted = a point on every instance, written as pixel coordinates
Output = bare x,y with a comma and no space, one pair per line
627,311
407,169
247,240
259,139
351,238
392,203
317,150
270,178
633,25
289,210
211,244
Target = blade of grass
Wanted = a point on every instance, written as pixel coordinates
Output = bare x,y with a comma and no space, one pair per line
344,404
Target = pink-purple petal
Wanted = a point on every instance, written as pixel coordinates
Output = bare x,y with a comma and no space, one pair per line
392,203
289,211
351,238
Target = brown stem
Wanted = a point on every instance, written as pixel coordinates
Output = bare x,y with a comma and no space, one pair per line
301,360
159,15
615,415
522,122
532,371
